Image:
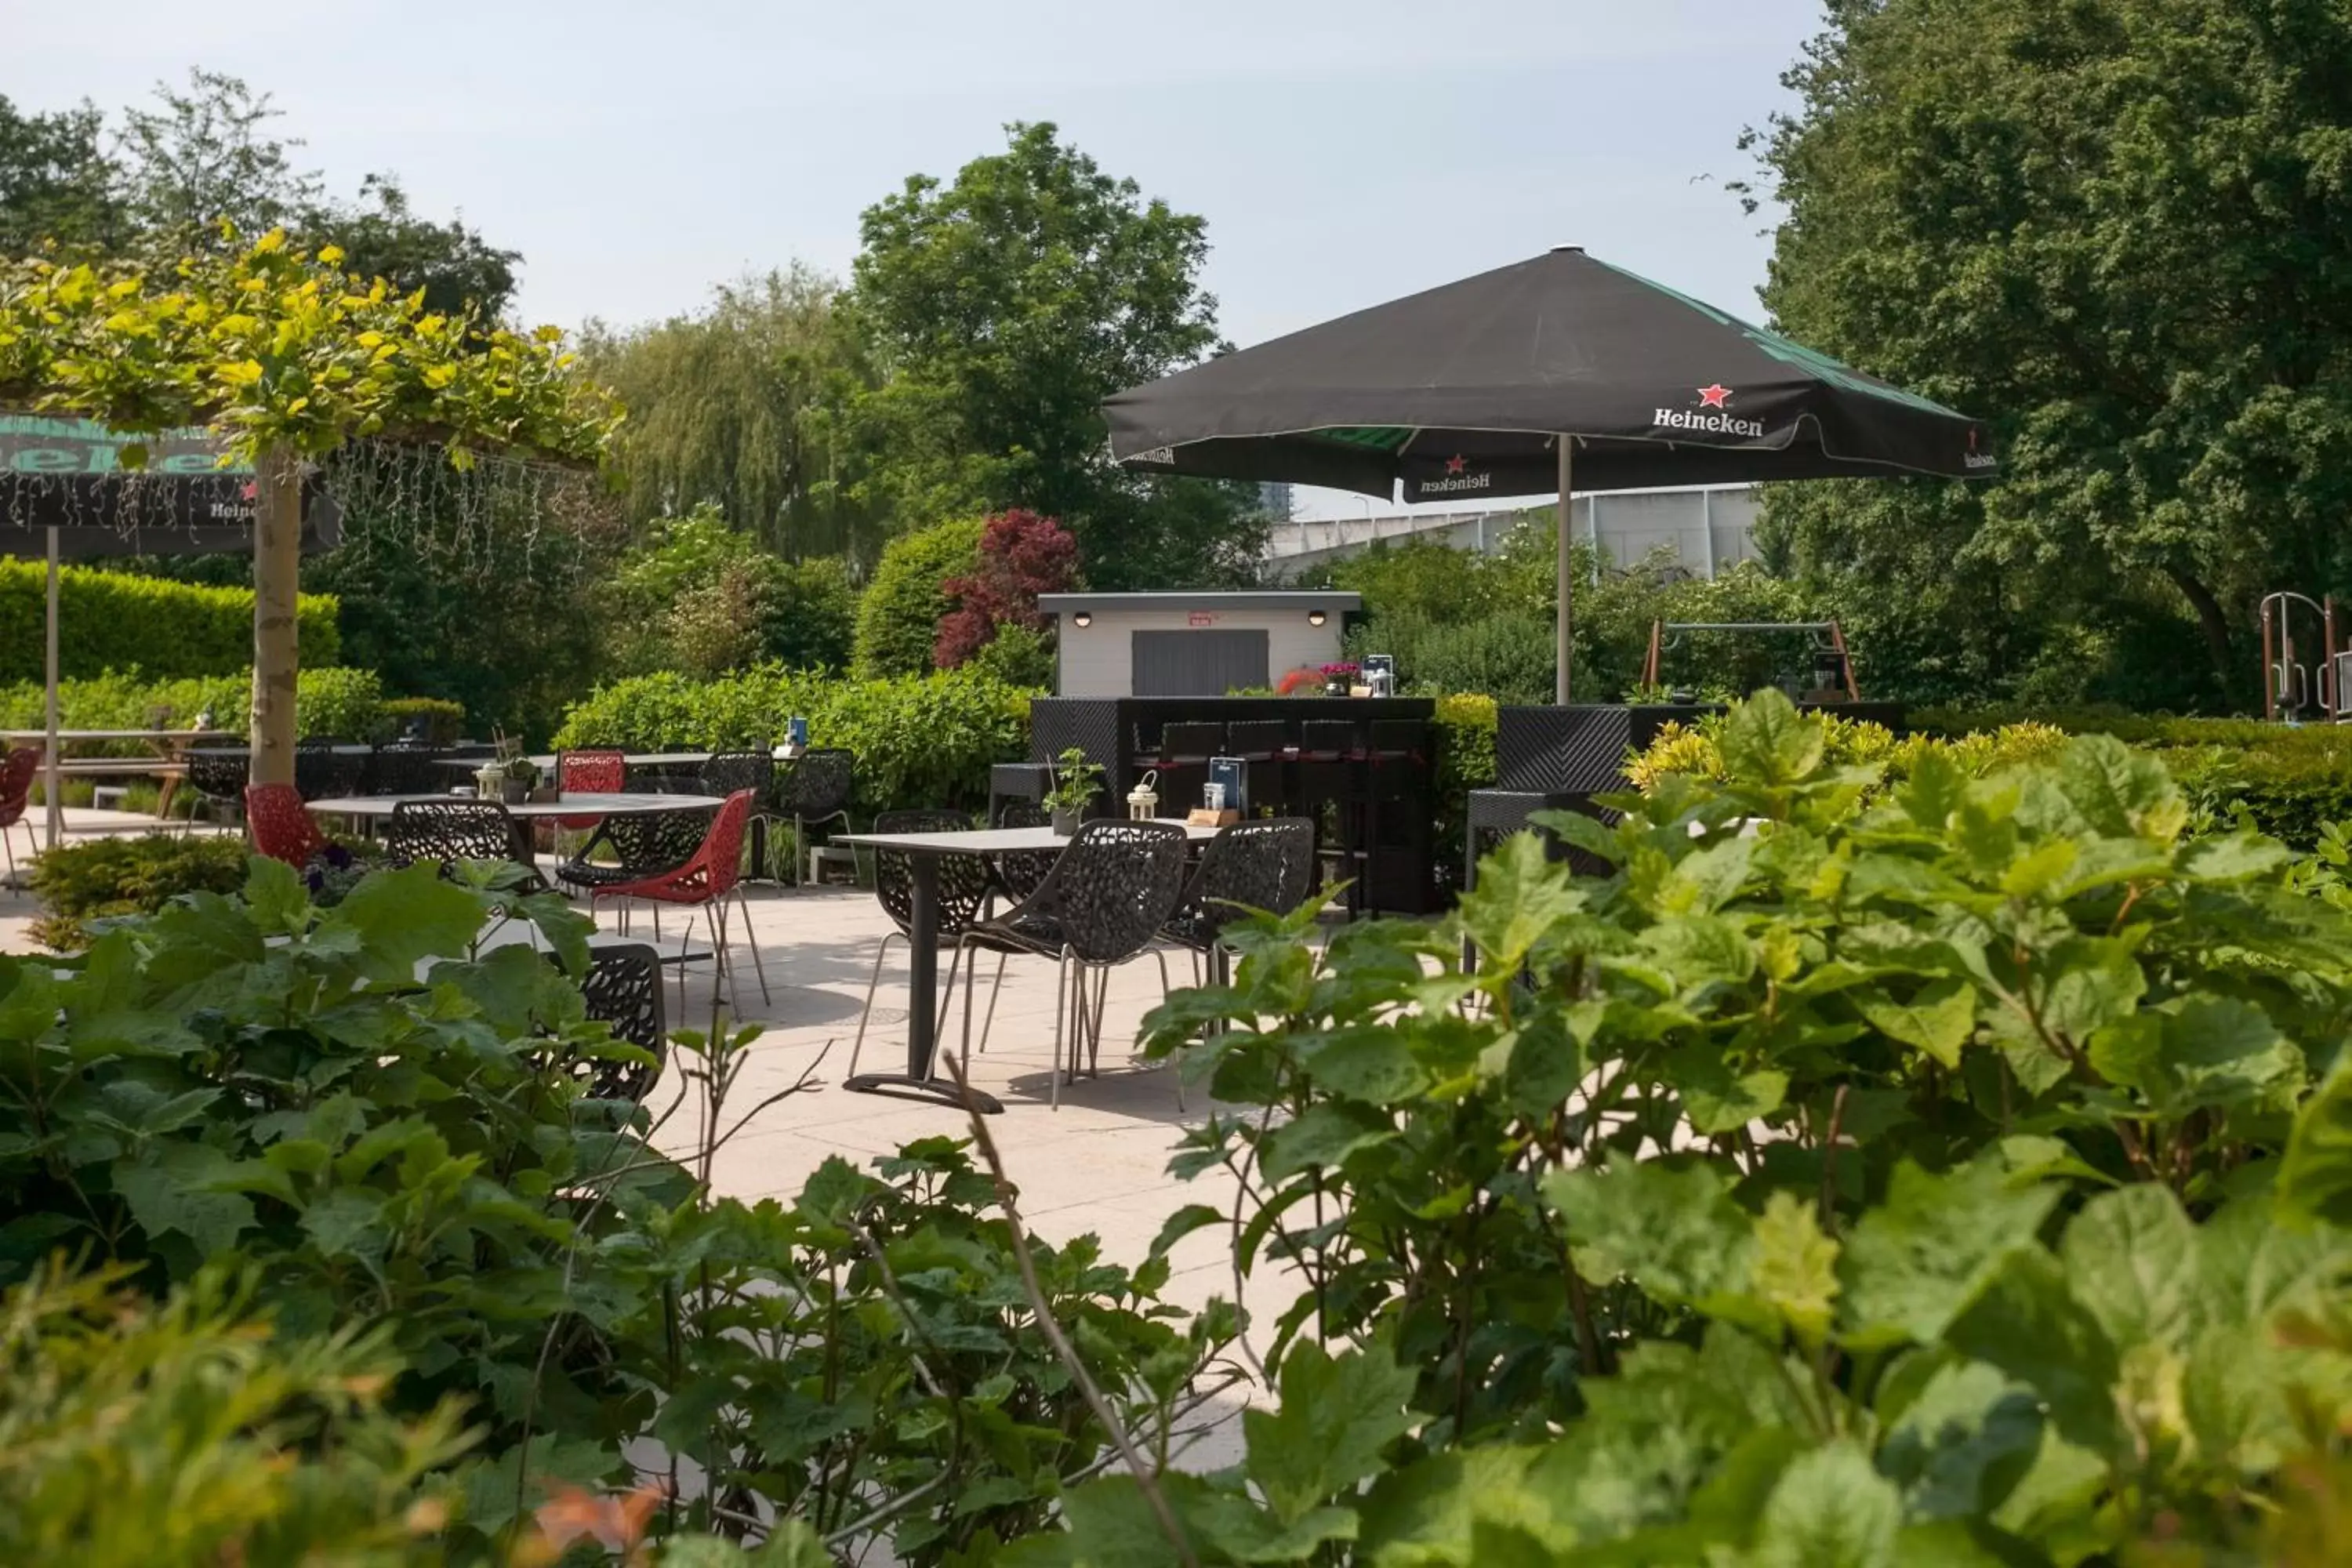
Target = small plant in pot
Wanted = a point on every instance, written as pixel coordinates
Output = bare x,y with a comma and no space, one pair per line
1339,679
521,779
1076,783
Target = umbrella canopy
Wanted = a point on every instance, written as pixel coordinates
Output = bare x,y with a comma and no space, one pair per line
1557,373
66,496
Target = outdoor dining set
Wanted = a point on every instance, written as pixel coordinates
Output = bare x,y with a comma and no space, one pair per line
636,832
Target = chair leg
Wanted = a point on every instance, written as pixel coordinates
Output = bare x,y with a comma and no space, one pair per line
873,984
1063,996
758,967
994,991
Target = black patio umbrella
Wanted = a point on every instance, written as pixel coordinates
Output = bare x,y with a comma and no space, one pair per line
1521,381
65,496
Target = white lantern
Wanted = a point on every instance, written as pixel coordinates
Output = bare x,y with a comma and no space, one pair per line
1143,800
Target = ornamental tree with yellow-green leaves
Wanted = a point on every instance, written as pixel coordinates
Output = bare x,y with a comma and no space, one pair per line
286,357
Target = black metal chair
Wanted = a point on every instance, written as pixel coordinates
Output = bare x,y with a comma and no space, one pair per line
325,767
966,882
407,769
815,791
1022,872
448,831
724,773
622,988
1112,889
216,779
1250,866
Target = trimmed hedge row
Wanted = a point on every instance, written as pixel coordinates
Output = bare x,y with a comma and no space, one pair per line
112,621
920,740
347,703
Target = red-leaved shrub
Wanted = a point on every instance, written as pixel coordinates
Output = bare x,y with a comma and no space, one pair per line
1021,556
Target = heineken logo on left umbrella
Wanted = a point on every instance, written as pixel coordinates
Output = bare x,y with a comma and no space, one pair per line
1714,396
1457,479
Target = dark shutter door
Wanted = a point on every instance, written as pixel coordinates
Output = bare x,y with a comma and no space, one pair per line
1197,663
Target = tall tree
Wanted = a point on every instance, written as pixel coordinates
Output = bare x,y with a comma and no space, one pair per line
2122,231
197,159
291,359
730,407
56,180
1000,309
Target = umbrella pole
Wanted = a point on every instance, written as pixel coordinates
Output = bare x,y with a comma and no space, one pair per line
51,788
1567,575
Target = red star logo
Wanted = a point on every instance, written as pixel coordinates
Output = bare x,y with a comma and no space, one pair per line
246,491
1456,463
1713,396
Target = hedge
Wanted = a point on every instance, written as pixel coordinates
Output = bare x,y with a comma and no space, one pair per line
113,621
347,703
2290,780
920,740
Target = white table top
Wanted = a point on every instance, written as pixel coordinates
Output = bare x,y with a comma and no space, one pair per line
570,805
340,749
994,840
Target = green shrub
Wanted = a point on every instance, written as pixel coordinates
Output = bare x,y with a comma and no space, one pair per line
193,1431
1466,761
898,617
112,621
256,1079
327,701
77,883
1017,657
807,613
1958,1179
920,741
444,719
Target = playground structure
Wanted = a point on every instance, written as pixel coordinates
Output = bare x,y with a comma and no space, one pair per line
2291,691
1832,667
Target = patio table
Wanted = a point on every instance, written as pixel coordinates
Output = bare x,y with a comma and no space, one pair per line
165,742
923,851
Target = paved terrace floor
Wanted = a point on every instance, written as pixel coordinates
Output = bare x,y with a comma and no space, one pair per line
1096,1166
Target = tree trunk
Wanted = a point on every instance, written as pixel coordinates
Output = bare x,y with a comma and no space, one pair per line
276,575
2215,624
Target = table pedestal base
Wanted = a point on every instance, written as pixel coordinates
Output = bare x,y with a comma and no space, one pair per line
899,1086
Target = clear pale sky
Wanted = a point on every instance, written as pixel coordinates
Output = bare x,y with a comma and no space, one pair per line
1342,155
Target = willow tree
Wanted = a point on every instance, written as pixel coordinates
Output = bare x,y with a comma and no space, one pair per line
289,359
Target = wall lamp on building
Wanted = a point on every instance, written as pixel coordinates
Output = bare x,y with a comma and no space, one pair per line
1083,618
1315,617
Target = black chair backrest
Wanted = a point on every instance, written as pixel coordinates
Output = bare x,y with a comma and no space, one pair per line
220,773
965,880
1328,737
818,785
1264,866
1113,888
1191,741
622,987
408,770
1024,871
724,773
648,843
323,771
449,830
1257,738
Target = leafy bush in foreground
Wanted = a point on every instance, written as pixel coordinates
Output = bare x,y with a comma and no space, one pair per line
377,1125
1960,1173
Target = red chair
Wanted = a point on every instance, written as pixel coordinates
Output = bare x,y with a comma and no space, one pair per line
595,770
704,882
16,770
280,823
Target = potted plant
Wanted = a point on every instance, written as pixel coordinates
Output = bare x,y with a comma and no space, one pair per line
1339,679
1074,789
521,778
